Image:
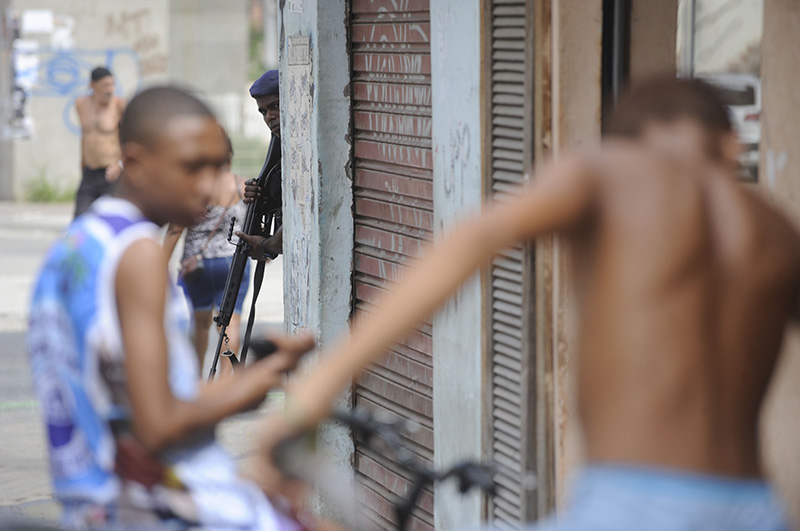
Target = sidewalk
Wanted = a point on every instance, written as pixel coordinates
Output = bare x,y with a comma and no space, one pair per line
35,216
28,229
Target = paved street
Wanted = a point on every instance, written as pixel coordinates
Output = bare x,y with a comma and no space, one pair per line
26,232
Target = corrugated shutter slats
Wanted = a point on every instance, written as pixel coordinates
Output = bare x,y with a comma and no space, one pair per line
393,209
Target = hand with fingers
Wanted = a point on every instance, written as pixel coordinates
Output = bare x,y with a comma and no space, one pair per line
268,372
288,351
113,172
261,467
134,463
252,191
261,248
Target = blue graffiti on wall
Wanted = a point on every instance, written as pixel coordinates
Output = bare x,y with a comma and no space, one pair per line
59,73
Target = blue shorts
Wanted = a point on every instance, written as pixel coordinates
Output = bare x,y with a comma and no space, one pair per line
205,291
606,498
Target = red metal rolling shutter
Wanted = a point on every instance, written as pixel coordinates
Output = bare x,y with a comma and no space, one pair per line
393,194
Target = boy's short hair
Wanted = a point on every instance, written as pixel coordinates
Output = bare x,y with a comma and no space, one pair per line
100,72
150,111
666,99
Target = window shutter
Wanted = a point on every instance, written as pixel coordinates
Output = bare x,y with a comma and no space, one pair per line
511,287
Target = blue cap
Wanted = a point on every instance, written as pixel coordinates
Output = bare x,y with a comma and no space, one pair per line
266,85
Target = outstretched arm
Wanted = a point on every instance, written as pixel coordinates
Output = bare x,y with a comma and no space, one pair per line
560,197
160,418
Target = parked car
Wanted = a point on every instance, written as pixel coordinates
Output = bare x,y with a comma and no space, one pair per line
742,95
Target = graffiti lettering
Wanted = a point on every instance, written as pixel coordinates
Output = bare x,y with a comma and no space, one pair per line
126,24
135,27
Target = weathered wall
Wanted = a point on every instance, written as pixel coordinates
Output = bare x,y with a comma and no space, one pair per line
130,37
6,142
208,50
457,185
576,104
317,195
726,35
780,160
653,34
202,45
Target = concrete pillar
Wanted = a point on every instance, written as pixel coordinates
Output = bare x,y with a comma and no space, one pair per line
577,27
317,196
208,45
457,188
780,160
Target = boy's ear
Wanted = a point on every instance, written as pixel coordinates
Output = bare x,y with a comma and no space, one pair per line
134,157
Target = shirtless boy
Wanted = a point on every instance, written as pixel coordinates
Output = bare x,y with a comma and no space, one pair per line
112,364
685,282
99,114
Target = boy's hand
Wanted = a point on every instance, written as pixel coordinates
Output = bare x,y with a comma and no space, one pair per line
134,463
251,191
266,374
113,172
290,349
262,468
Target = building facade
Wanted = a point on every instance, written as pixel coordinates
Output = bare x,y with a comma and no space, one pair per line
49,47
401,117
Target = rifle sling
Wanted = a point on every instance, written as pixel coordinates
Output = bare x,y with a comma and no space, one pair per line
257,280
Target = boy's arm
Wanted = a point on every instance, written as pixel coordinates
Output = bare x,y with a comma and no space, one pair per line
159,418
560,196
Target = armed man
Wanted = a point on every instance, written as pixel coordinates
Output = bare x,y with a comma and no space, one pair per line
267,187
261,236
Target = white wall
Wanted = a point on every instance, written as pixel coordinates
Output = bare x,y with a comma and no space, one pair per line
457,188
317,201
129,37
726,33
202,45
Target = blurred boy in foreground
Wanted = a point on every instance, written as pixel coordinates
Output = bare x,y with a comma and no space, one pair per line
685,281
113,369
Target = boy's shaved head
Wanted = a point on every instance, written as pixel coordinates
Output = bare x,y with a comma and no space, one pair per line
173,152
666,99
149,112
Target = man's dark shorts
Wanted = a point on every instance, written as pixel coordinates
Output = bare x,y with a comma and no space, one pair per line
93,185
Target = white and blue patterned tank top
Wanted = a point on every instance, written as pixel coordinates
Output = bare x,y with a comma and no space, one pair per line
76,349
77,356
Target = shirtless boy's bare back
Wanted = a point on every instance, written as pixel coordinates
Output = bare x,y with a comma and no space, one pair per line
99,114
688,281
685,283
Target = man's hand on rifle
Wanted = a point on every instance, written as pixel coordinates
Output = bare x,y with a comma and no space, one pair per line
261,248
251,191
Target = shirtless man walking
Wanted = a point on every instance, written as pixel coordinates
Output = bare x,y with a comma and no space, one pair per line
99,114
685,283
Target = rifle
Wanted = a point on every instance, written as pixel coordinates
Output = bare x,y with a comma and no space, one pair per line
252,226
